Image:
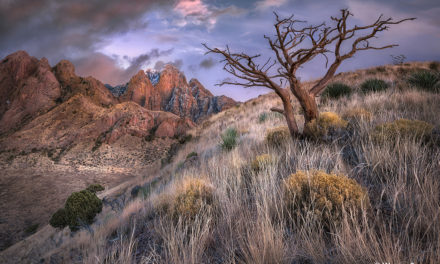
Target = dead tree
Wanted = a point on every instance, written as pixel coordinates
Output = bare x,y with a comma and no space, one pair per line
294,46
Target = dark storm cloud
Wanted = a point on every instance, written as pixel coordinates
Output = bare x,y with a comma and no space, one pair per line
160,64
207,63
106,68
53,28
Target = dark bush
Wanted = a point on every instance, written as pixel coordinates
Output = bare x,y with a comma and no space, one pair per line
94,188
336,90
31,229
59,219
373,85
80,209
435,65
262,117
192,154
424,80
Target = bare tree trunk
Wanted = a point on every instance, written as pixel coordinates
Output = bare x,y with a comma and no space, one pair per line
307,102
289,113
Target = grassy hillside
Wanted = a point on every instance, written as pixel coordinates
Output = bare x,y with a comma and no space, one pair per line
214,204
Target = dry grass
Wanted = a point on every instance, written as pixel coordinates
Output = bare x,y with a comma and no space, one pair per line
248,221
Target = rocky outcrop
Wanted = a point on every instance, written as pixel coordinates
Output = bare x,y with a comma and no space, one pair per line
89,86
169,91
27,89
208,104
80,120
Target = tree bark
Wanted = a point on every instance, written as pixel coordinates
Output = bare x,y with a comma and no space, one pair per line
289,113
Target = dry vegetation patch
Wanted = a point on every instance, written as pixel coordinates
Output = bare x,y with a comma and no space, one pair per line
403,128
326,124
277,136
326,196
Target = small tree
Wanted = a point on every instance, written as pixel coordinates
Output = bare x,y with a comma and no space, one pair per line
294,46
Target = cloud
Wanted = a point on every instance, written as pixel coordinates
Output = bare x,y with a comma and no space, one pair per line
159,65
207,63
74,27
266,4
108,69
196,12
166,38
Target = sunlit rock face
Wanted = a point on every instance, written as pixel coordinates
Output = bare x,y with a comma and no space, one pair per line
169,91
27,88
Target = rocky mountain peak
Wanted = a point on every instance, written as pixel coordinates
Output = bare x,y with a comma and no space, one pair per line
169,91
64,70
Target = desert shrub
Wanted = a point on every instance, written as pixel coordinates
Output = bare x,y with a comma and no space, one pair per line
192,154
229,139
80,208
327,124
358,114
263,117
277,136
373,85
184,138
435,65
31,229
94,188
424,80
381,69
59,219
261,161
336,90
323,195
402,128
192,196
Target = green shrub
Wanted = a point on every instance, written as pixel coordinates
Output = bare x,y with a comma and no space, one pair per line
373,85
435,65
229,139
277,136
79,209
31,229
326,123
424,80
336,90
402,128
324,196
94,188
59,219
262,117
192,154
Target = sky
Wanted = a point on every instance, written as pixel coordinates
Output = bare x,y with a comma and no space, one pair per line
112,40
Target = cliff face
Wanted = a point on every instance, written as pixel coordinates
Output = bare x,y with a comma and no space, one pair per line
27,88
169,91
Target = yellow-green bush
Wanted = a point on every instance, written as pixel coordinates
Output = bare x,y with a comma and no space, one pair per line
326,122
358,114
324,195
277,136
191,196
261,161
403,128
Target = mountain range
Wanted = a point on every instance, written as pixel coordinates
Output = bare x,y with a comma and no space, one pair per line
45,107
